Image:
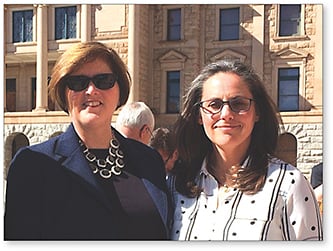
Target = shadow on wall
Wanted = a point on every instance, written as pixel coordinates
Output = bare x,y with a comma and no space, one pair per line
287,148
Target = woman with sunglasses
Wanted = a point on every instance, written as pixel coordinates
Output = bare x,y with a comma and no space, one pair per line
89,183
230,186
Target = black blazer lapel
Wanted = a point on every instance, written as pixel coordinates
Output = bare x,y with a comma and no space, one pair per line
68,149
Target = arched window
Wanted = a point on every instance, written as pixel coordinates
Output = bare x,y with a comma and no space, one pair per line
19,141
12,144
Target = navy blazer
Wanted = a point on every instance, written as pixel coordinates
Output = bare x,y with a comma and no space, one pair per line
52,193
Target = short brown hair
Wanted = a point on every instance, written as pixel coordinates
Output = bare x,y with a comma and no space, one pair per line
75,57
163,139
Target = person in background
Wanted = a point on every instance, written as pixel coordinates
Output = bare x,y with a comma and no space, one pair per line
136,121
89,183
164,141
316,180
229,185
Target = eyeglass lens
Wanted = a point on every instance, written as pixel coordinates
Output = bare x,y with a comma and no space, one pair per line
238,104
101,81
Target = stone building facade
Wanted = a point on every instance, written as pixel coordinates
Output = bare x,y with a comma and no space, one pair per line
139,33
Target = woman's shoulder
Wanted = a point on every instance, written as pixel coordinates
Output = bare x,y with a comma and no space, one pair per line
289,176
278,165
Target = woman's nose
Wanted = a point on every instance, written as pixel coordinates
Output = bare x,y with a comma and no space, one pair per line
91,88
226,113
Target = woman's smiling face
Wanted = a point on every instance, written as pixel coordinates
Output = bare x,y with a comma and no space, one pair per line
228,128
92,106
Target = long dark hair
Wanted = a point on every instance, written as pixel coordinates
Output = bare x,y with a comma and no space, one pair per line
193,144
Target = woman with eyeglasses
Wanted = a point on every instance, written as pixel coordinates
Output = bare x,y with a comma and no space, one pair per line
89,183
230,186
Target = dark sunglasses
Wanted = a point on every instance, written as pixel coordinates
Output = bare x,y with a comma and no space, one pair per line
101,81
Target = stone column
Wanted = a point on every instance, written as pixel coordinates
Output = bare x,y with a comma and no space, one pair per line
4,82
4,60
258,38
85,22
133,50
318,58
42,60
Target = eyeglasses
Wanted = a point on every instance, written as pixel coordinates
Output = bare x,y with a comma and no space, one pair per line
151,133
167,159
237,105
101,81
146,127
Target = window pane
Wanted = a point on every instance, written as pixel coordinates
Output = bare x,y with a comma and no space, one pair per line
173,91
60,23
11,95
288,89
22,26
230,16
289,72
71,24
28,25
288,103
290,17
229,33
229,24
174,24
65,21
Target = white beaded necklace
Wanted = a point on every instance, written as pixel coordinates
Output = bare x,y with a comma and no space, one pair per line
112,164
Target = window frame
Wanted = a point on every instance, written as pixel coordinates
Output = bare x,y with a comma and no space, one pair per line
301,25
168,96
279,87
77,16
179,35
171,61
289,20
300,62
220,24
14,94
32,25
165,22
9,27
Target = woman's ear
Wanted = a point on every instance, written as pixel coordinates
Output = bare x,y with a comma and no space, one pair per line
257,115
257,118
200,119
